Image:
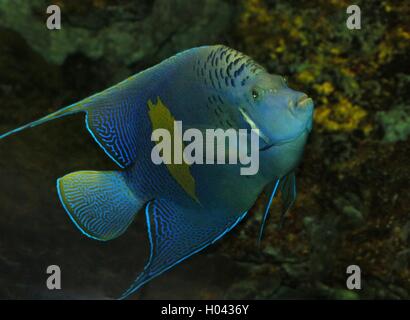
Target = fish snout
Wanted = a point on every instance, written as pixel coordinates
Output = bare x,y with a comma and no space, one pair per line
298,101
304,102
300,104
304,110
300,107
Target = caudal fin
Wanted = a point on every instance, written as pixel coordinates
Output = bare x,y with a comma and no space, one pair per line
74,108
99,203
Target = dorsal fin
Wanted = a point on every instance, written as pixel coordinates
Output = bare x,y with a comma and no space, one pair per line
112,120
113,115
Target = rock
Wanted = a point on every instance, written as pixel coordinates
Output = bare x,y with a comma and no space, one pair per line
354,215
342,294
128,34
348,205
395,123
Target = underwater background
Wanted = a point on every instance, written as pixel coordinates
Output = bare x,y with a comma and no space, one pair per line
353,204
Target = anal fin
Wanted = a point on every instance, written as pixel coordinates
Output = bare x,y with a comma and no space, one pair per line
176,233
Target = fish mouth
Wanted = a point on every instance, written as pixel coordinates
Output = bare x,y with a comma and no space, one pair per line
305,101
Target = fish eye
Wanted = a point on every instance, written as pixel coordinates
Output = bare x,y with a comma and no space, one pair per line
255,94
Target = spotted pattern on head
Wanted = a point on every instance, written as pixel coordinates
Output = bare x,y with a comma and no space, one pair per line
224,67
221,69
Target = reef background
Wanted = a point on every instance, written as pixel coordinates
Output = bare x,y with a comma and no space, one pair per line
353,185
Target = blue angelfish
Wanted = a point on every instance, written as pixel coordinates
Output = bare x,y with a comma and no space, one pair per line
187,208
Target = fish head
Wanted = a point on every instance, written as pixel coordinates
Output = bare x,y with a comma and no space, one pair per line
283,117
280,113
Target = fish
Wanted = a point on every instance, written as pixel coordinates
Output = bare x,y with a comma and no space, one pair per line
187,207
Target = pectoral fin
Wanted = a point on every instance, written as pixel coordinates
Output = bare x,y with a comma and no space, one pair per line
287,186
266,214
288,190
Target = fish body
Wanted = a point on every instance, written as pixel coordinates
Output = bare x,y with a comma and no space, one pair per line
187,207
